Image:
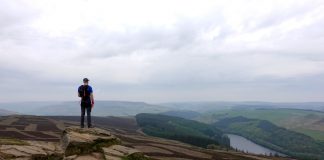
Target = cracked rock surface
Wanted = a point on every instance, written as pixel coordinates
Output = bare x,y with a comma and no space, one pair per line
75,144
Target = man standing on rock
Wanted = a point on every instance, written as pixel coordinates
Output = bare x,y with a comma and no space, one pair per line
87,101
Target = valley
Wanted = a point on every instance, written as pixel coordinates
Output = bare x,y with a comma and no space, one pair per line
308,122
49,128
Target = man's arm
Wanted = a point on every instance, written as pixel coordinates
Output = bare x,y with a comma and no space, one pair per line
92,99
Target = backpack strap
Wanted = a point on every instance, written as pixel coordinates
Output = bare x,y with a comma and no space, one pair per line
84,88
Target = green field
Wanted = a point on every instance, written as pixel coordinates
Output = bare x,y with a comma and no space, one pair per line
307,122
318,135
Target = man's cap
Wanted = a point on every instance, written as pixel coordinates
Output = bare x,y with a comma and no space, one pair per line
85,79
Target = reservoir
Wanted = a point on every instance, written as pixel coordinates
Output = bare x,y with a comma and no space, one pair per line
242,144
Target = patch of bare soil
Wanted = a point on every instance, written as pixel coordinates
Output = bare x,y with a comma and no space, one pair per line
152,149
29,128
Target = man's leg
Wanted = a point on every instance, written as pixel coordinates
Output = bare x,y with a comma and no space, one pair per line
82,115
89,116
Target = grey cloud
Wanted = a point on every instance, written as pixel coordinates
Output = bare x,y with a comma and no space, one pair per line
161,63
147,38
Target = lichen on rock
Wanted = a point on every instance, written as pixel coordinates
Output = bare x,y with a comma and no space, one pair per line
136,156
76,141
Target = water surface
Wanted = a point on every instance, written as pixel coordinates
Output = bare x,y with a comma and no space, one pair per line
242,144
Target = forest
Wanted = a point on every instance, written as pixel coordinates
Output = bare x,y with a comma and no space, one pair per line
188,131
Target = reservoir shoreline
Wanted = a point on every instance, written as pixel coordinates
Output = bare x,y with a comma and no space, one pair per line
243,144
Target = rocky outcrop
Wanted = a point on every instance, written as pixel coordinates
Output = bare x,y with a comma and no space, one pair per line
75,144
25,150
76,141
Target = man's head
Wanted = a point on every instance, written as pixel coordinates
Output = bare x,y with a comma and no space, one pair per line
85,81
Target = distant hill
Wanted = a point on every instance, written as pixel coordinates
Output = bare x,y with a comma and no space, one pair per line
181,129
277,138
187,114
125,108
199,106
102,108
205,106
4,112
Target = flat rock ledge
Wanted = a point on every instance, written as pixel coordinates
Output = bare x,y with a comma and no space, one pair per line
75,144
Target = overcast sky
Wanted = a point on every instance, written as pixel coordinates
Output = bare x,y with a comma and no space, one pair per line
157,51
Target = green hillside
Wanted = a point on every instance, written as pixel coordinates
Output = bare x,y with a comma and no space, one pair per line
184,130
307,122
277,138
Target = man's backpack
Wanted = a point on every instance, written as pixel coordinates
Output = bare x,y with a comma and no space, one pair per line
84,93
